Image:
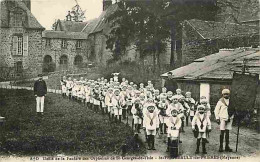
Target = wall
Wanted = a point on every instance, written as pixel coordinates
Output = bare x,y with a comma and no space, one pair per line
56,51
192,87
194,47
31,60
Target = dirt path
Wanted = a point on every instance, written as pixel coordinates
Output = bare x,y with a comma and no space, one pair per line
248,143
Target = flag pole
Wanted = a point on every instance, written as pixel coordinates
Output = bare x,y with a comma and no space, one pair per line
238,125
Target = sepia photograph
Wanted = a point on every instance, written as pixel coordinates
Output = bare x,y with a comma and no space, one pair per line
129,80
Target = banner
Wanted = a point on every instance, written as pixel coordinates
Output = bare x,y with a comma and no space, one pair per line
243,92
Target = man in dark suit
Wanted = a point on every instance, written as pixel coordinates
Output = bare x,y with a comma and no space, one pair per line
170,84
40,91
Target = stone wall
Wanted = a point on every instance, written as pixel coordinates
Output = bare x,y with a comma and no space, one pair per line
195,47
30,59
55,50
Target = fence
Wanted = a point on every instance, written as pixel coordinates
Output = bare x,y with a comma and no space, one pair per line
8,86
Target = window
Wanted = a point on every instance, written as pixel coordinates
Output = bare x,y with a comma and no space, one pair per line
20,46
63,43
17,45
79,44
48,42
78,60
64,60
19,67
17,19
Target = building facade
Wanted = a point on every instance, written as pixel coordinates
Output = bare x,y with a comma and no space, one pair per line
21,41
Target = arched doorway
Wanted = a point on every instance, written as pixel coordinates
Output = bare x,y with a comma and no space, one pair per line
64,61
48,64
47,59
78,60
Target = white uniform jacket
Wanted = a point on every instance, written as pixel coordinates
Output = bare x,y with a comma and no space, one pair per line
221,109
202,121
108,99
178,107
148,117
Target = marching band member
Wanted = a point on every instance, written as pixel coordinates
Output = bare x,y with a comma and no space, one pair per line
91,95
74,89
186,111
63,86
102,99
130,98
191,102
123,98
178,93
135,87
164,90
173,124
137,115
201,123
207,106
117,105
178,106
87,93
108,102
81,92
224,118
96,99
163,106
156,97
169,97
149,93
151,125
115,78
69,87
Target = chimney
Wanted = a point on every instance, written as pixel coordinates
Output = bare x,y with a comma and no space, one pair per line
27,3
106,4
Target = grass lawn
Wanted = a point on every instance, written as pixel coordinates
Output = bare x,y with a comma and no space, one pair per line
66,128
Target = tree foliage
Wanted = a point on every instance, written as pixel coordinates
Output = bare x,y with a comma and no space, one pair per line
150,24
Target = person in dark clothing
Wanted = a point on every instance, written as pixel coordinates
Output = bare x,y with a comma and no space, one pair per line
40,91
170,84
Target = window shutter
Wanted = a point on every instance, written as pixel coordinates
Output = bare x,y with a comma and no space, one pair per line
15,45
25,52
25,45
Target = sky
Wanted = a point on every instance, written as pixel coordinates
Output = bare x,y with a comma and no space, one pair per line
46,11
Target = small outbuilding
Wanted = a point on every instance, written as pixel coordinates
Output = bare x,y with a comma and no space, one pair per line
207,76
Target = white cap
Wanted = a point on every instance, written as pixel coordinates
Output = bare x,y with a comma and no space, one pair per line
224,91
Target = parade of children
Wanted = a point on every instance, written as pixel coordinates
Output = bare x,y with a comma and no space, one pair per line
153,112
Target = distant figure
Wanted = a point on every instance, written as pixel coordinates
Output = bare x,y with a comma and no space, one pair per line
40,90
170,84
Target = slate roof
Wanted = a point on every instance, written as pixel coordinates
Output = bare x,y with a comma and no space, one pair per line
219,66
92,26
64,35
32,21
219,30
102,24
71,26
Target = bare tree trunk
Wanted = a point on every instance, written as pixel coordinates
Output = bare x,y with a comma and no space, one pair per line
173,38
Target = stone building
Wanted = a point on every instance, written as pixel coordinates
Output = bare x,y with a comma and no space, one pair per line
71,45
21,40
201,38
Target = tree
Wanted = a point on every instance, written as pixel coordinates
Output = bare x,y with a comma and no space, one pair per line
150,24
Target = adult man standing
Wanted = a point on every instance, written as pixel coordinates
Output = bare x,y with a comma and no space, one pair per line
170,84
40,90
224,118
